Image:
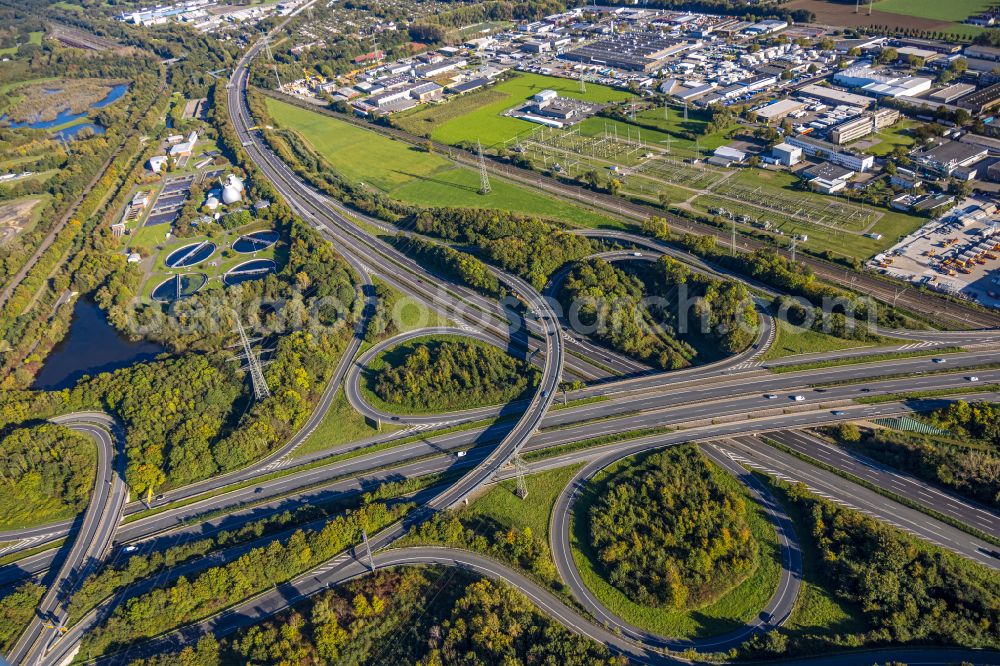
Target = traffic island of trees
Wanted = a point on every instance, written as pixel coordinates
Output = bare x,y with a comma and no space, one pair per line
906,591
457,265
668,534
455,619
526,246
665,315
443,375
48,474
967,460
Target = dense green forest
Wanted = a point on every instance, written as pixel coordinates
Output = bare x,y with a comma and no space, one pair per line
451,374
668,534
907,591
459,266
526,246
967,460
48,474
407,616
665,314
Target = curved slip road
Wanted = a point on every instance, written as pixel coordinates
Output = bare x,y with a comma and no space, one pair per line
91,541
295,591
774,614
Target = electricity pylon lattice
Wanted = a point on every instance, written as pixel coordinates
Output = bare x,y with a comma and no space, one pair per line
521,469
260,389
484,178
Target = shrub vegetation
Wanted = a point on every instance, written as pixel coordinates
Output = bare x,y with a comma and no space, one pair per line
668,535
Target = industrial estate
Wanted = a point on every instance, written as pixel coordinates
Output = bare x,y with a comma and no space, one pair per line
477,332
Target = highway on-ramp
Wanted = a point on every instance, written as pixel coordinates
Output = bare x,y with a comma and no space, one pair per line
88,544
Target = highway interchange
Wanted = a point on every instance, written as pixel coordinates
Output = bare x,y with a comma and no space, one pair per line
722,406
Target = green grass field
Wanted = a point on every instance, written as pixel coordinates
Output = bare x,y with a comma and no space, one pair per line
34,37
793,340
890,137
955,10
340,425
502,506
412,175
730,611
483,119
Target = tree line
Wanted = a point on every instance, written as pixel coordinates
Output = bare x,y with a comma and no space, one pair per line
453,619
966,460
184,601
526,246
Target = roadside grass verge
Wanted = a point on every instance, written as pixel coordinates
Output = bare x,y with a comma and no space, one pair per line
340,425
869,358
934,393
790,340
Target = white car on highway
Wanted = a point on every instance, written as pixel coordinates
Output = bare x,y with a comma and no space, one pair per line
770,396
973,378
798,398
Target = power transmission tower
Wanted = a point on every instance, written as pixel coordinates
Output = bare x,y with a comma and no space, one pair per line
260,389
795,241
732,241
267,46
685,110
521,468
484,178
583,85
368,549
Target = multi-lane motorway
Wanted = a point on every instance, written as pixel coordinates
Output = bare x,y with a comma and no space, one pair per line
724,406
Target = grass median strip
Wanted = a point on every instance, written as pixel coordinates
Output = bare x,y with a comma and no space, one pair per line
21,554
868,358
935,393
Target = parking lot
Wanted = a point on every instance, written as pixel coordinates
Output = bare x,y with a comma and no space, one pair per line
958,254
